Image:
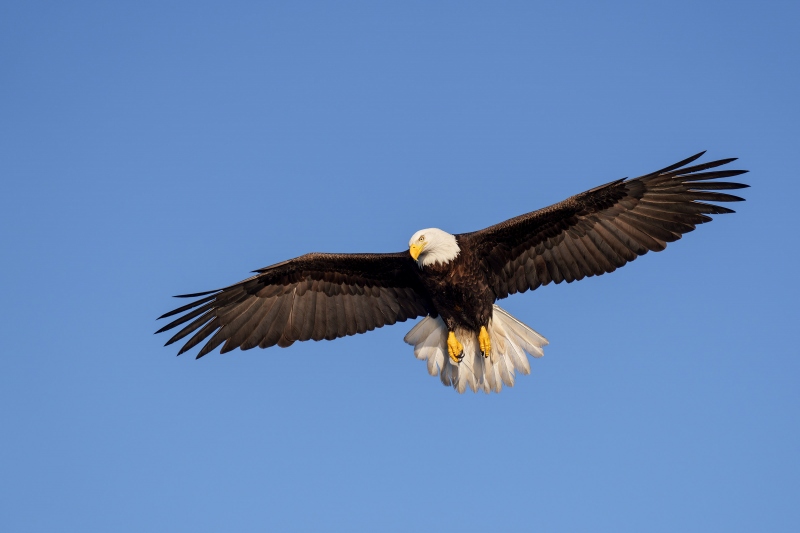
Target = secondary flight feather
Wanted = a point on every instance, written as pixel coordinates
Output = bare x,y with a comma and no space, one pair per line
453,281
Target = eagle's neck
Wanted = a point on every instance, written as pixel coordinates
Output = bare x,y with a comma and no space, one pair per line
442,248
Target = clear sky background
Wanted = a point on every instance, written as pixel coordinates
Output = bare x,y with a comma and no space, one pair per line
157,148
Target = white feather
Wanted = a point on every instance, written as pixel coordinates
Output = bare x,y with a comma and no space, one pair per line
438,246
511,341
429,341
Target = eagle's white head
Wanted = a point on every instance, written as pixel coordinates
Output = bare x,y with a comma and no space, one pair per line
431,246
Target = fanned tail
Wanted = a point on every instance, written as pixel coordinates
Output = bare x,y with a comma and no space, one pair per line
511,341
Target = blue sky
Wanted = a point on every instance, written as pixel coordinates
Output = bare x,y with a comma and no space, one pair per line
157,148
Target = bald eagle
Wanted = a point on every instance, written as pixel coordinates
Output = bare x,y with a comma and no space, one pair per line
453,281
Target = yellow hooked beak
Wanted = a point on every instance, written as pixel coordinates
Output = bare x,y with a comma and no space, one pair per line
415,249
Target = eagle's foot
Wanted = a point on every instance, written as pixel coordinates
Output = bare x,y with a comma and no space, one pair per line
454,348
485,342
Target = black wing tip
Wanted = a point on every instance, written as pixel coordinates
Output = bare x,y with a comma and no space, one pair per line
172,339
192,304
165,328
204,351
695,157
196,294
678,165
722,162
714,209
731,173
172,313
698,173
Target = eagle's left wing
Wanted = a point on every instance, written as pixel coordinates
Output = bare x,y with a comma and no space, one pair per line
602,229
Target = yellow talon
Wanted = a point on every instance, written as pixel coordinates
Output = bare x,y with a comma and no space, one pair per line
454,348
485,342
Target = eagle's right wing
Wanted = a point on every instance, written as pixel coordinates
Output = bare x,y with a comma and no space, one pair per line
602,229
316,296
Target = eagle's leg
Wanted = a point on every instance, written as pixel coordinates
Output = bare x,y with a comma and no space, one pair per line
485,342
454,348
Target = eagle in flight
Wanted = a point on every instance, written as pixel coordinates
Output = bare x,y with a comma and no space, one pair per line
453,281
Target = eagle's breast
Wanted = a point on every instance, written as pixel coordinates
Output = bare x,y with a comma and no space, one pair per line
460,291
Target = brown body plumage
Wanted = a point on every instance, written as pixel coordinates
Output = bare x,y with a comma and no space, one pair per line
460,291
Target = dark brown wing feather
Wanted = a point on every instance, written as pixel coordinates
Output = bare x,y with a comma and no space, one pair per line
600,230
315,296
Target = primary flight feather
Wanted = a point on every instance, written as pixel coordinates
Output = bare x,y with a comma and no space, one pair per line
454,280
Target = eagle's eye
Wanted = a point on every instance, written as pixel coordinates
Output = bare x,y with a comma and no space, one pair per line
422,237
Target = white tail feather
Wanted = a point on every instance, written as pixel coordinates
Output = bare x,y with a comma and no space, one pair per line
429,339
511,340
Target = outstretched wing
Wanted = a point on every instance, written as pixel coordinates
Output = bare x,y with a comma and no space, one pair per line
315,296
600,230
